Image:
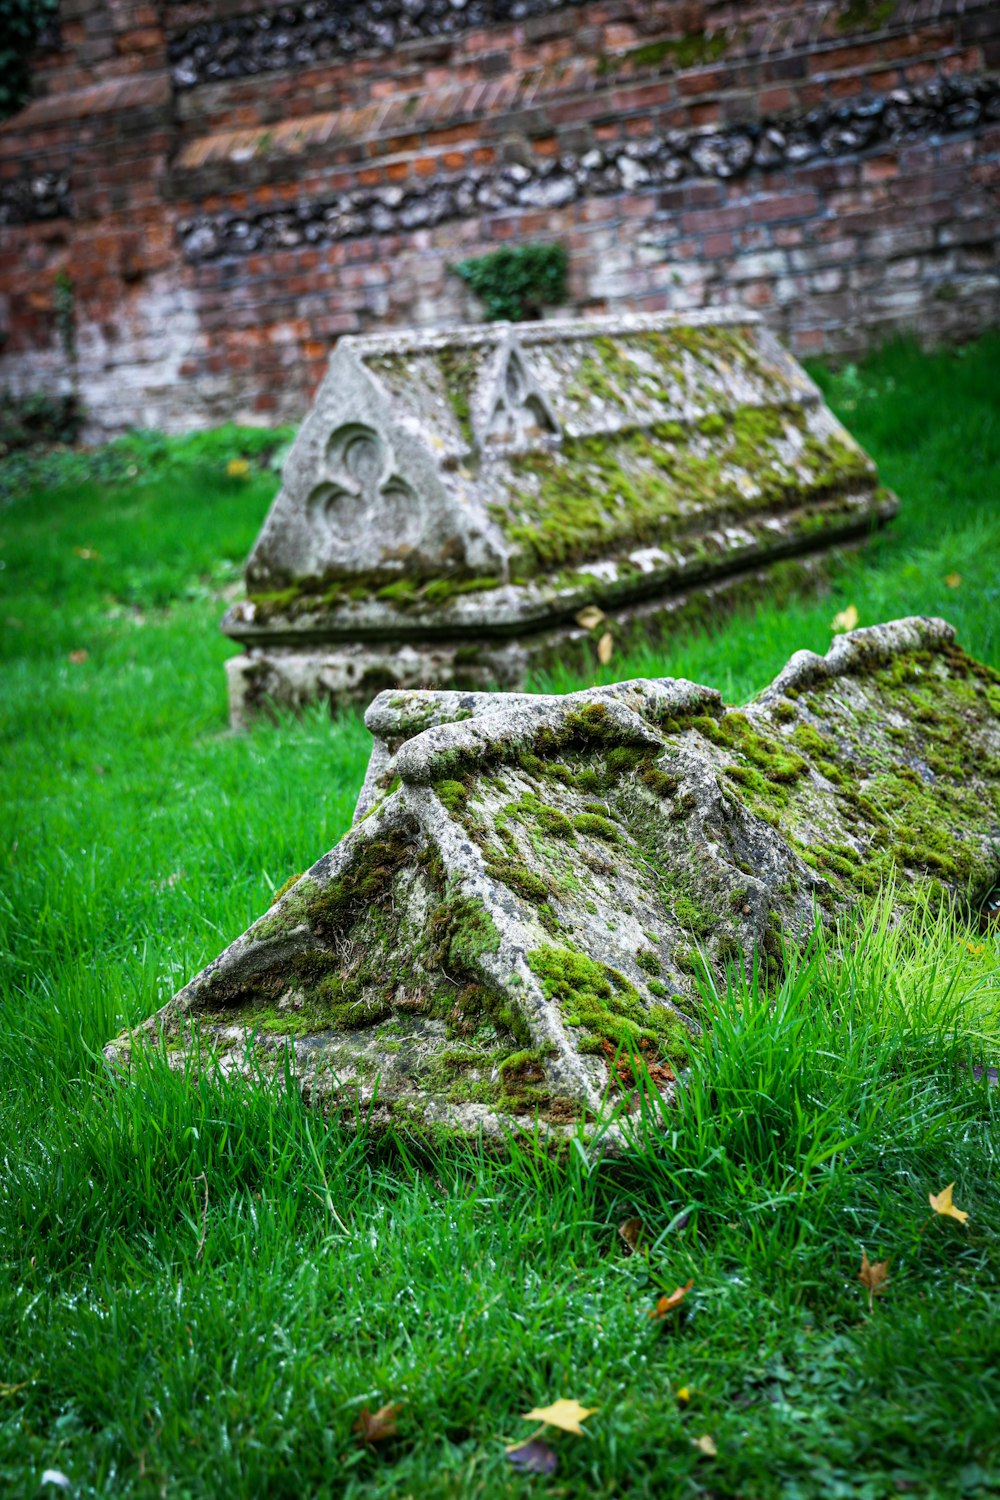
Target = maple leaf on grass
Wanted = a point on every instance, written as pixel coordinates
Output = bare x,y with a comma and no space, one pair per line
942,1204
874,1277
565,1414
377,1426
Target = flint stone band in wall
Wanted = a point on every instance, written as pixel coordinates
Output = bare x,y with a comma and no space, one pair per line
942,106
301,36
534,886
30,199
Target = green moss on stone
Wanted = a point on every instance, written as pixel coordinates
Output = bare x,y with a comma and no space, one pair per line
604,492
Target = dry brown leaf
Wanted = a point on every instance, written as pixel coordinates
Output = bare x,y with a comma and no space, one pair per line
78,657
667,1304
377,1426
565,1414
874,1277
953,580
706,1444
632,1231
605,646
533,1457
846,619
942,1204
590,617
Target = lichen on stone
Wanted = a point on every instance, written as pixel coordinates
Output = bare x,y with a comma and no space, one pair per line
532,922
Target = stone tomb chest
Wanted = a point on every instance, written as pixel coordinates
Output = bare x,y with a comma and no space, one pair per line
463,508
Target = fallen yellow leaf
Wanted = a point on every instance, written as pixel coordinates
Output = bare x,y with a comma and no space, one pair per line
847,619
706,1444
942,1204
953,580
565,1414
667,1304
684,1394
590,617
605,646
237,468
874,1277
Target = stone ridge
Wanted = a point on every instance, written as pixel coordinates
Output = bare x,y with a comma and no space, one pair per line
526,923
940,107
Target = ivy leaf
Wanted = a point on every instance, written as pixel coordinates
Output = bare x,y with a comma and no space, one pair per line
942,1204
874,1277
847,619
667,1304
564,1414
377,1426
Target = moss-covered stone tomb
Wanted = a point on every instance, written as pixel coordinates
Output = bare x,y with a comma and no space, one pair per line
461,507
535,888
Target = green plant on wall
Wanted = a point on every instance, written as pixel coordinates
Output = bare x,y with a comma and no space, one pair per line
21,24
517,282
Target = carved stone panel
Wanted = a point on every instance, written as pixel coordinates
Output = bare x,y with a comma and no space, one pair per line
361,504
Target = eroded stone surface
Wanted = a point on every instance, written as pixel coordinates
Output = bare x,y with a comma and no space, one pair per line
534,885
455,500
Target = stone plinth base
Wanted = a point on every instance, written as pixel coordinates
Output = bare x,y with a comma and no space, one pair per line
268,678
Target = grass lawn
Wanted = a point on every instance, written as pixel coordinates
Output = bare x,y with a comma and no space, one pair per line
203,1285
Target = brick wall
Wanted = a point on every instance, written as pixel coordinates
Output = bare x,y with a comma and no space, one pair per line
215,192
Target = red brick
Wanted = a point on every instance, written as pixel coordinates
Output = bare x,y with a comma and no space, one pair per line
787,206
881,169
776,101
808,340
718,244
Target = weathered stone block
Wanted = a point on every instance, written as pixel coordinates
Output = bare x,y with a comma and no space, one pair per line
454,502
534,885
